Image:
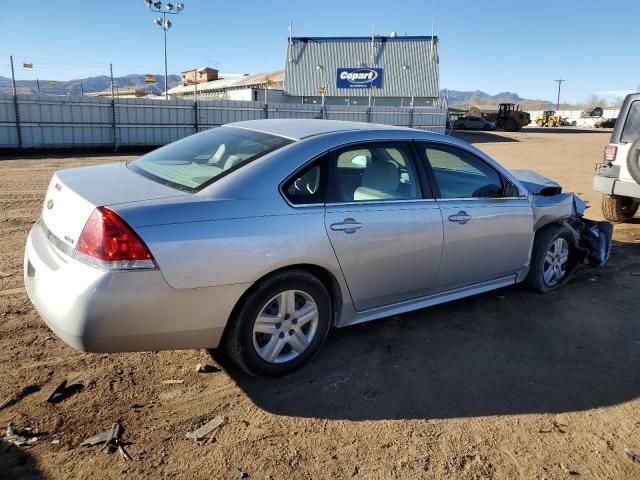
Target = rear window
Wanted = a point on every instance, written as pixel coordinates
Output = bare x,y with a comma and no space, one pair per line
194,162
631,130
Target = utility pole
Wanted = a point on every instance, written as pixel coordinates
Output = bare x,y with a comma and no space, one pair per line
113,112
111,71
13,76
15,104
560,80
164,29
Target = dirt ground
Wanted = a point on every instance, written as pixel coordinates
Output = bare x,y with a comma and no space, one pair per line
505,385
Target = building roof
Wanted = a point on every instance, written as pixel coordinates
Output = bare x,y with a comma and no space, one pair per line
258,80
199,69
409,63
120,92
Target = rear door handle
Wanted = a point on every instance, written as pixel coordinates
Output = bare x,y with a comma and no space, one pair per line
348,225
461,217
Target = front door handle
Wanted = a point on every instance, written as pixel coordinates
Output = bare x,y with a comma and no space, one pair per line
461,217
348,225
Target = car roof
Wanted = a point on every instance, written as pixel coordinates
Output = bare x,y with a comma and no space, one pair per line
297,129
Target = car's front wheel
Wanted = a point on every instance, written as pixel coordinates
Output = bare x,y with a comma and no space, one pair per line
551,258
281,324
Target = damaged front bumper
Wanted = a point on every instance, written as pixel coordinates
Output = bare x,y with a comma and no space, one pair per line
592,240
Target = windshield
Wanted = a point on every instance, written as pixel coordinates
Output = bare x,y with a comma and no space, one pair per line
197,161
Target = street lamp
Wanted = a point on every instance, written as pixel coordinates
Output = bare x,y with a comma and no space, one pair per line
164,24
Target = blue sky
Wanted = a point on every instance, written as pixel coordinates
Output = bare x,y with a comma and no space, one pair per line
486,45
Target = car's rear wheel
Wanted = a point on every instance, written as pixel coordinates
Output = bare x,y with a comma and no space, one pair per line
619,209
281,324
551,258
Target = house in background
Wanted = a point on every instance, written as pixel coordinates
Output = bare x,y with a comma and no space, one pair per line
199,75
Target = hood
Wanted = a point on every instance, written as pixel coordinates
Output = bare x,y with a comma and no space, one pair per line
537,184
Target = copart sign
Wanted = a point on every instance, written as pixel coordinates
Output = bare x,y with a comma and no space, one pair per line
362,77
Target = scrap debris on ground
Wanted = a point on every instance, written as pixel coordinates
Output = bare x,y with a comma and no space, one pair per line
112,439
632,455
201,432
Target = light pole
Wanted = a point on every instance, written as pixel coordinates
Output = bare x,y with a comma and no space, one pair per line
164,24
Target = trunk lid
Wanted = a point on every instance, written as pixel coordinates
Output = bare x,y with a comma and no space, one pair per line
73,194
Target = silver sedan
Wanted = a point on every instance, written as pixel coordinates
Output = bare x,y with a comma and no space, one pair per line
260,236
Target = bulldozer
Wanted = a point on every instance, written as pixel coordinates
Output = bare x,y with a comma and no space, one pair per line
548,118
509,117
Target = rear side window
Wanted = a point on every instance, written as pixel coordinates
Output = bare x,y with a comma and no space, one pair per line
307,187
631,130
194,162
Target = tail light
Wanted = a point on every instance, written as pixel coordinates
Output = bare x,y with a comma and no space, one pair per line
610,152
108,242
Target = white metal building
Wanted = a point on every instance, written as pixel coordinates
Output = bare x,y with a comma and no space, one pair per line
378,70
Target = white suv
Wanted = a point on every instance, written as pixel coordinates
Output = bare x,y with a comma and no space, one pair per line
618,177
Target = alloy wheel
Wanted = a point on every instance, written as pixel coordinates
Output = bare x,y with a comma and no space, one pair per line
285,326
555,262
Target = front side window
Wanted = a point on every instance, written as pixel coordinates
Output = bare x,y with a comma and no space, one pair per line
631,130
460,174
197,161
375,172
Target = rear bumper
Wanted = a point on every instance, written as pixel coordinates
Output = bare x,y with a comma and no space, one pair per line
615,186
117,311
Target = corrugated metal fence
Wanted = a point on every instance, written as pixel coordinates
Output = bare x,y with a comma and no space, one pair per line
41,121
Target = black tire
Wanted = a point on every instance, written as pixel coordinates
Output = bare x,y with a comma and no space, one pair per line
540,123
510,125
619,209
633,160
238,340
541,245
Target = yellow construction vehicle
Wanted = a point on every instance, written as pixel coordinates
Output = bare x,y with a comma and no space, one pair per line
548,118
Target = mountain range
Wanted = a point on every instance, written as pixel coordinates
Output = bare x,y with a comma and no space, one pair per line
479,98
89,84
103,83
